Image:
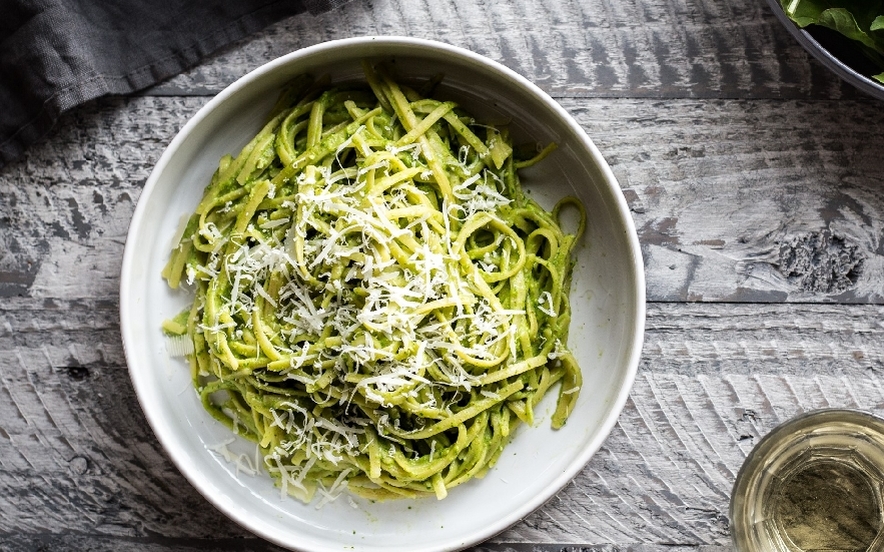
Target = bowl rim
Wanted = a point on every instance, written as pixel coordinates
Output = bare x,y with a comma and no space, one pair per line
829,60
634,329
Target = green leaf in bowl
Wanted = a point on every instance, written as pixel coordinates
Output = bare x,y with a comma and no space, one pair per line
861,21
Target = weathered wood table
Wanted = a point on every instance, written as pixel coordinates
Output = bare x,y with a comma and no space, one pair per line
756,182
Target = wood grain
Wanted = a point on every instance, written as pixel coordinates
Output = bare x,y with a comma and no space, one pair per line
753,177
737,201
72,543
750,201
77,455
570,48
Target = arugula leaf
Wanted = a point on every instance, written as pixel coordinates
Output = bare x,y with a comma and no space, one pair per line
861,21
877,29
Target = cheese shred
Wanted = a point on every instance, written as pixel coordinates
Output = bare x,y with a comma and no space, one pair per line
378,304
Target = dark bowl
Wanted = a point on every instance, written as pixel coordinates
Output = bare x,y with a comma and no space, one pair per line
835,52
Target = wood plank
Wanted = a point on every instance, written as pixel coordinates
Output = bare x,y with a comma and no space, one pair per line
68,202
737,201
749,201
94,543
710,385
760,220
570,48
77,455
78,458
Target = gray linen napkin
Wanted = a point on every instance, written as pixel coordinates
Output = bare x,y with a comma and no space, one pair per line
57,54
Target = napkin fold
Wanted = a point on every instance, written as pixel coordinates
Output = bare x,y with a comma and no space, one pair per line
57,54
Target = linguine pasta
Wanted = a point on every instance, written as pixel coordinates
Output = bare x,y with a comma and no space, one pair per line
377,302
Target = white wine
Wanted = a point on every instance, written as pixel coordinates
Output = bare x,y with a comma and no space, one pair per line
813,484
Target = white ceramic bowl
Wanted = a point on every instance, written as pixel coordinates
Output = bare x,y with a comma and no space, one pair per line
606,333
